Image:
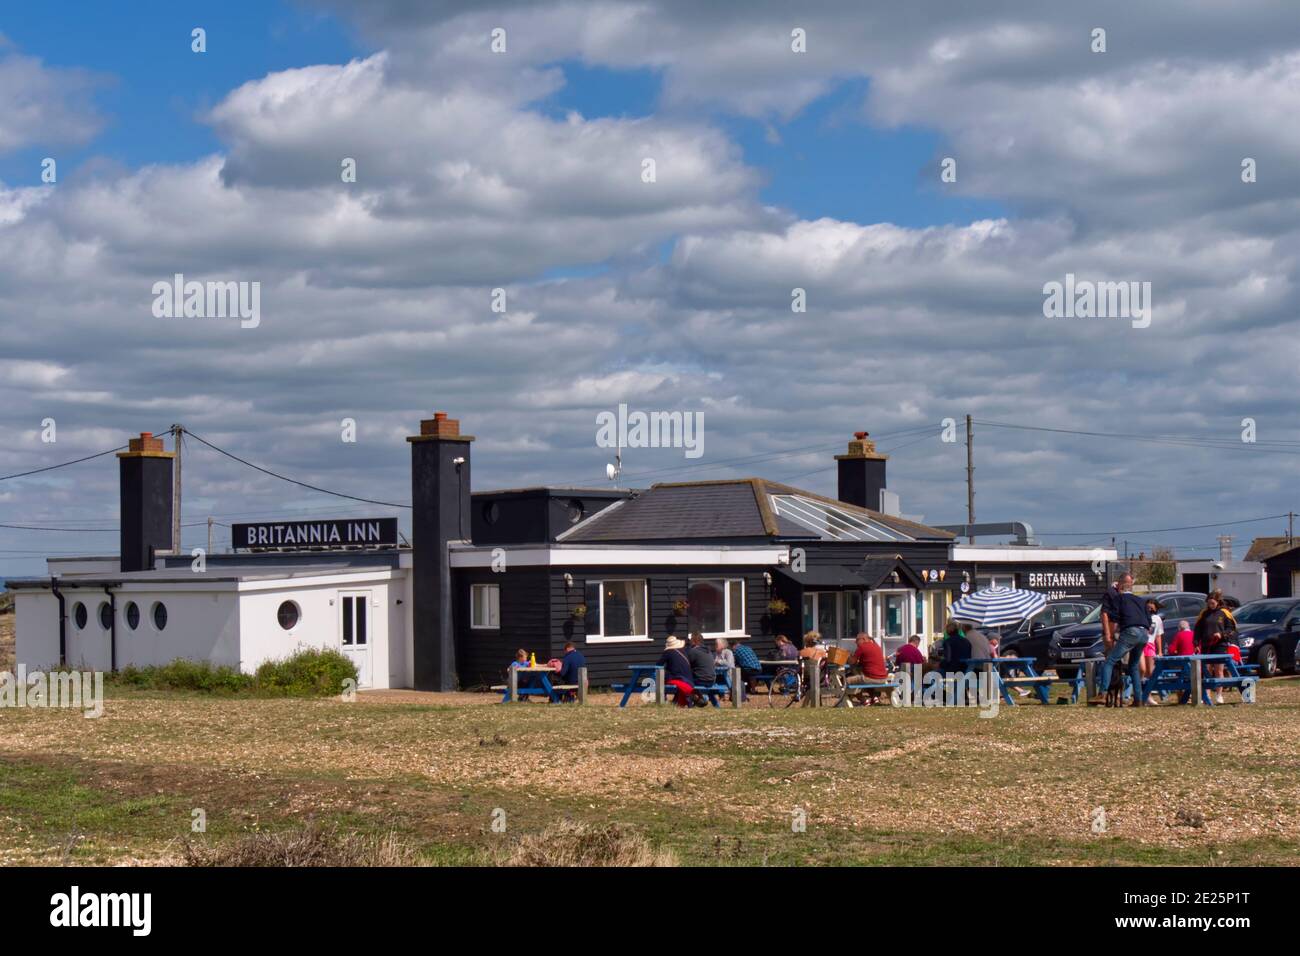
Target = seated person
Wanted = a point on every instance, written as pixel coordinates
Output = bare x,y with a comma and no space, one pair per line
704,672
812,647
869,659
748,663
910,653
1184,642
956,650
521,660
724,662
677,670
570,664
785,649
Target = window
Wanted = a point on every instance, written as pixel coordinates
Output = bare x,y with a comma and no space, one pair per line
159,616
288,615
983,581
105,616
717,606
616,610
132,615
79,616
485,605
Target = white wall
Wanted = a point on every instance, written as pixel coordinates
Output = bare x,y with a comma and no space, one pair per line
36,622
319,624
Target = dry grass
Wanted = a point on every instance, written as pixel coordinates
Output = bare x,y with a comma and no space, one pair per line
573,843
313,845
1178,784
7,640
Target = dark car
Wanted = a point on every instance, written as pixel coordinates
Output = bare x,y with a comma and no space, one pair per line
1084,639
1267,631
1030,637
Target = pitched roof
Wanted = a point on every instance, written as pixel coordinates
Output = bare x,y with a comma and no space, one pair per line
742,508
1261,549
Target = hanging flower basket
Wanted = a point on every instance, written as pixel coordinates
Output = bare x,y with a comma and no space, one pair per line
777,606
580,612
681,607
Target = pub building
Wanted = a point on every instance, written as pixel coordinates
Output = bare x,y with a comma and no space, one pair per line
614,570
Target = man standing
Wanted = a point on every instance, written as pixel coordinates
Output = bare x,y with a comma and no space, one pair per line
1124,623
979,642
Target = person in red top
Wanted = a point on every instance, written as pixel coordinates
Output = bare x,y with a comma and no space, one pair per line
869,658
1184,641
910,653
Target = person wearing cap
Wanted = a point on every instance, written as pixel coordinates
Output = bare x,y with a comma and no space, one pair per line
677,670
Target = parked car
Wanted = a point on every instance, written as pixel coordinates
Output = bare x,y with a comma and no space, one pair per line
1084,639
1267,632
1030,637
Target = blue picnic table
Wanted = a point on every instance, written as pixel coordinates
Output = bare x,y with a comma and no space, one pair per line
542,688
644,677
1173,673
1014,672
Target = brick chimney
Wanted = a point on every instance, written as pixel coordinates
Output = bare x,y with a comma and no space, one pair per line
145,501
862,473
440,513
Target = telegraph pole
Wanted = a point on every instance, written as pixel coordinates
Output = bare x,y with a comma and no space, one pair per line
970,477
209,534
1290,528
176,491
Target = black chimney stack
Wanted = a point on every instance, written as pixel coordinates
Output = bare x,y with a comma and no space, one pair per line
145,499
440,514
862,473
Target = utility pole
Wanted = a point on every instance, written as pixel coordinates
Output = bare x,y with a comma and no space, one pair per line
209,534
1290,529
970,477
176,490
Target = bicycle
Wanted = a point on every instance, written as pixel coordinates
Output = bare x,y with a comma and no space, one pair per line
786,687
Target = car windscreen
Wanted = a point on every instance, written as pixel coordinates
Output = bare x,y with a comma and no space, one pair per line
1261,612
1093,616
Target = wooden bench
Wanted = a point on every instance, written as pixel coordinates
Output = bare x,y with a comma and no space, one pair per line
852,686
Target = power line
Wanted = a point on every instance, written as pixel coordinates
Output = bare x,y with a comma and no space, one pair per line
1278,446
65,464
1190,527
292,481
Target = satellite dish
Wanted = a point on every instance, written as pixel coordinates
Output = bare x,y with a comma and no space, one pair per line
611,472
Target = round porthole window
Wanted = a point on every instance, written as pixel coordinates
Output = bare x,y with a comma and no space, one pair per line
79,616
105,616
491,512
288,615
132,615
160,616
576,510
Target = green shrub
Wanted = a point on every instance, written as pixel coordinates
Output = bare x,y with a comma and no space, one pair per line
181,674
306,673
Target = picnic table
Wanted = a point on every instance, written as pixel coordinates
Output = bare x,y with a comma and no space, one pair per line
1184,673
1014,672
542,687
647,676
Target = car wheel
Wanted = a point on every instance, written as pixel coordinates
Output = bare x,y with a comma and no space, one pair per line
1266,657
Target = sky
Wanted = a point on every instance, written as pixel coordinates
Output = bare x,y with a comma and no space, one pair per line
795,148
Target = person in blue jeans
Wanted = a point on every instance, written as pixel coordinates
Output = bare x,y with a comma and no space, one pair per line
1124,623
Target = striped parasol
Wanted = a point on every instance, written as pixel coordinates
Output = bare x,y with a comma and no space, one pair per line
998,605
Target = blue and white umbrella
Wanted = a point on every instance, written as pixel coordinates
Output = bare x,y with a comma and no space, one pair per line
998,605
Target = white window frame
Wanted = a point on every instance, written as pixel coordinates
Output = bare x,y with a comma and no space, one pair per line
729,630
601,637
493,607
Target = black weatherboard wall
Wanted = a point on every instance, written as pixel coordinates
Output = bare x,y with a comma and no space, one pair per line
145,498
440,512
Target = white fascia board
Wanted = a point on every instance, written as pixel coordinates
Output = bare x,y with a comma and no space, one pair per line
316,580
1030,555
596,557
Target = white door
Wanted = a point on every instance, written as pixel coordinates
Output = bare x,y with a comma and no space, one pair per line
354,628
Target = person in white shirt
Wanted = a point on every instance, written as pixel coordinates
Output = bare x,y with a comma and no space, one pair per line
1154,645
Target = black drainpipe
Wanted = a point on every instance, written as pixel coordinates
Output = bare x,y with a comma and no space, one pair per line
63,623
112,629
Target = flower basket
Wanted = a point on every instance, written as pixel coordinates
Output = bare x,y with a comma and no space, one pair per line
681,607
580,612
777,606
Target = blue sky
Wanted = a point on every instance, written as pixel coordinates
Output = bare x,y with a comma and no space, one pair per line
1121,166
